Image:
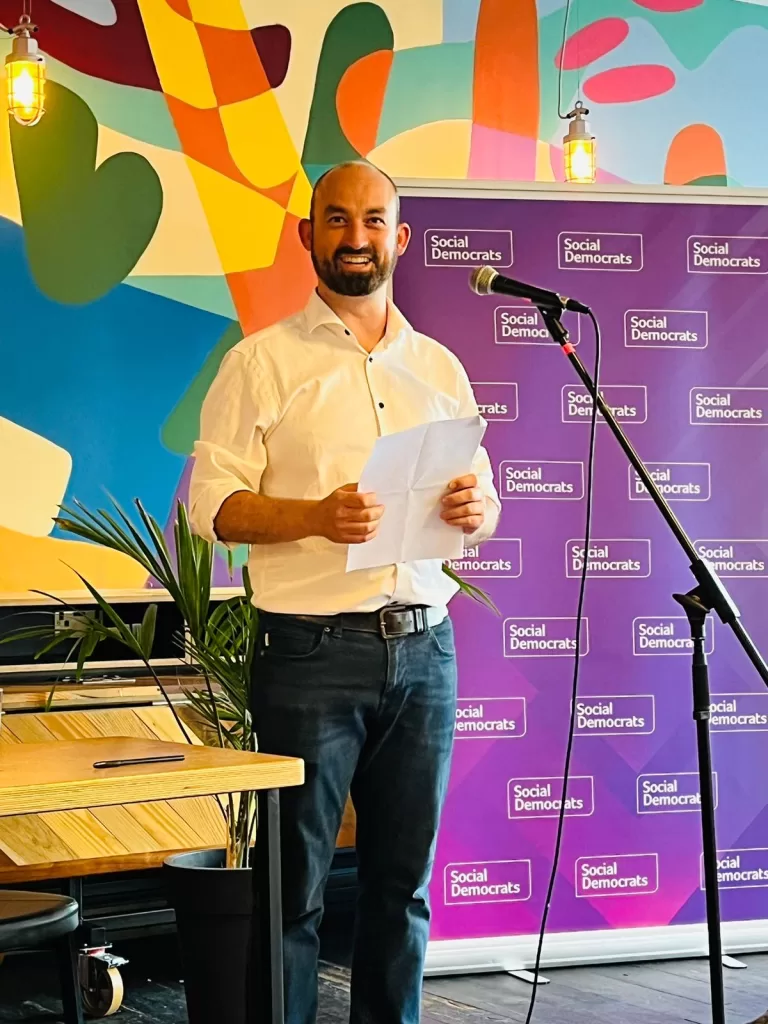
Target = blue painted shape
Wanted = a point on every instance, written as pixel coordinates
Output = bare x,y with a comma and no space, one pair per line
100,380
427,84
460,20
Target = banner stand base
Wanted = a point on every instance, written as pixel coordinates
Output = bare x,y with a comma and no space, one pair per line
734,964
515,954
529,977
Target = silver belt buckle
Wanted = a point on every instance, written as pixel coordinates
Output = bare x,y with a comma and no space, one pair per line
418,620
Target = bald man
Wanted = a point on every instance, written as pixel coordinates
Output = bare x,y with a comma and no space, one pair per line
355,671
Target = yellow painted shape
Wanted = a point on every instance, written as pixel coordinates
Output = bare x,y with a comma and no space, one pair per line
414,23
301,194
182,243
42,563
34,473
544,170
178,54
220,13
253,12
437,150
9,196
245,225
259,141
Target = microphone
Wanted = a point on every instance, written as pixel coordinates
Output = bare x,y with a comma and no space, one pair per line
485,280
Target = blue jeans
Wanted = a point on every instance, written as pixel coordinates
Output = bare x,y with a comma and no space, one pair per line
372,717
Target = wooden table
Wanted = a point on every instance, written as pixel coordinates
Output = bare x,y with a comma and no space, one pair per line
32,781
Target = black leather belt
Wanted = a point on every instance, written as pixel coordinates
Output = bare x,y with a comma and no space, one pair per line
389,622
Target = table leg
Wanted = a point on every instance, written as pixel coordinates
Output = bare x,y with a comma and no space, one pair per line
266,1002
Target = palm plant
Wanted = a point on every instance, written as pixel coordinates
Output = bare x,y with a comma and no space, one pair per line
218,639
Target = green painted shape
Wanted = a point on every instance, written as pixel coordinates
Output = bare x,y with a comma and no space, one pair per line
355,32
711,179
182,428
202,291
140,113
85,228
315,171
427,84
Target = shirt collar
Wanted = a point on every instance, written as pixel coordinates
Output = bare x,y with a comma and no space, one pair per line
318,313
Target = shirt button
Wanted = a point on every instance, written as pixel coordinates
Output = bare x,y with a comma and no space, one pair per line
347,332
381,405
370,359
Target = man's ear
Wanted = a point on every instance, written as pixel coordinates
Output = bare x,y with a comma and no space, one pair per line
403,238
305,234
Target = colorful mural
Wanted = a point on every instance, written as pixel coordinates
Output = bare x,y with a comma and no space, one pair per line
149,220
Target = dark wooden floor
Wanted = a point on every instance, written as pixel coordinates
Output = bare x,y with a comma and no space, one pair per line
668,992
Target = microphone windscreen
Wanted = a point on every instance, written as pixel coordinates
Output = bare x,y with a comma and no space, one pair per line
481,280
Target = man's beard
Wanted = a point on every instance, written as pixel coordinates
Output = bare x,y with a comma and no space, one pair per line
354,282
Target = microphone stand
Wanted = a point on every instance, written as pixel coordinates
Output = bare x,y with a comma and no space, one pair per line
708,595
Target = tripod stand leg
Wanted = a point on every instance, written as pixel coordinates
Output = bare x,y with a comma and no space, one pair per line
710,871
696,611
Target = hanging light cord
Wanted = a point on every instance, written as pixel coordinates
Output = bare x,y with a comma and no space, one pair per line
560,114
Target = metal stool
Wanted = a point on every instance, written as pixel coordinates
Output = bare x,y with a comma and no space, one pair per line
30,920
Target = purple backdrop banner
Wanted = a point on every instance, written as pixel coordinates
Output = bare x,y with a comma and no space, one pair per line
679,291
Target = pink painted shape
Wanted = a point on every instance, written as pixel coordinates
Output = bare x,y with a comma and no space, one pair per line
501,156
669,6
592,42
629,84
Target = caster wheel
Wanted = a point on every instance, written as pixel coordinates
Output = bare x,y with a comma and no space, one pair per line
103,992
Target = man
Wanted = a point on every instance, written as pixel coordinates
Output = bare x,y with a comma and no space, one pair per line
356,672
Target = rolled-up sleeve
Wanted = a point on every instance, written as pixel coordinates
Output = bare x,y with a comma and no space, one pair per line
481,467
230,455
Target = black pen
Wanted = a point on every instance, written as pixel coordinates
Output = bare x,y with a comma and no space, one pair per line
137,760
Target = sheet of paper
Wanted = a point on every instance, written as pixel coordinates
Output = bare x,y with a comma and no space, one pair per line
409,472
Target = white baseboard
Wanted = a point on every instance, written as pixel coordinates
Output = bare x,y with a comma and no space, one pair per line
573,949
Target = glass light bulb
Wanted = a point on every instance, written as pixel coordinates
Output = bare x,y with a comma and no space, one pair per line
26,90
580,161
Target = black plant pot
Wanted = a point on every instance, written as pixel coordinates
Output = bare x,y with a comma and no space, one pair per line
213,907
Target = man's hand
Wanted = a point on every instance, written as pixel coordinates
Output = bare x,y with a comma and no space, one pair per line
464,504
347,516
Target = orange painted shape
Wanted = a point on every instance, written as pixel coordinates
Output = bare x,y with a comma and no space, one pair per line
233,63
506,82
262,297
280,194
360,99
181,7
202,138
695,152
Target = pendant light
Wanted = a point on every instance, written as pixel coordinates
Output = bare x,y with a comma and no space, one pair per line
25,75
579,149
579,145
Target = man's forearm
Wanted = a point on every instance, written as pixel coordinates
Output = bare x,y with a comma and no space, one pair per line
248,518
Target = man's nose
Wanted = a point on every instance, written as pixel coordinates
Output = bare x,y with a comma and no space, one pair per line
356,236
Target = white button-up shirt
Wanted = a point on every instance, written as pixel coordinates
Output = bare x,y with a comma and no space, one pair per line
294,413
